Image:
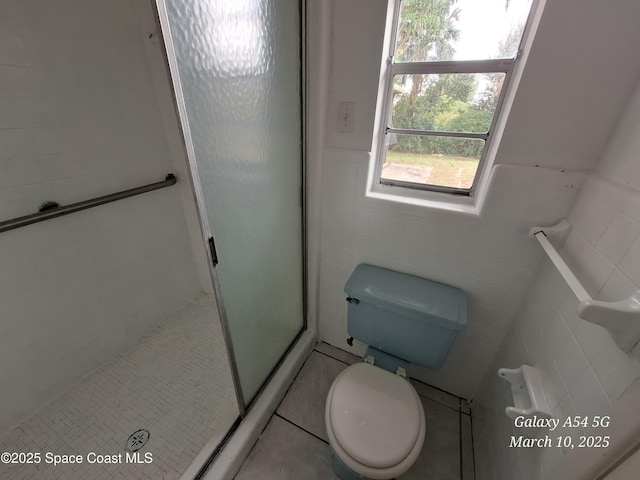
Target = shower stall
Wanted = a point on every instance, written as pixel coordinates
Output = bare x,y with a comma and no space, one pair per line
152,274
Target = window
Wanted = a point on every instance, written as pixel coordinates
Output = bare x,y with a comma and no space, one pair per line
451,61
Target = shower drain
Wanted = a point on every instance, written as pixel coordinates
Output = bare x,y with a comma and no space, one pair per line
137,440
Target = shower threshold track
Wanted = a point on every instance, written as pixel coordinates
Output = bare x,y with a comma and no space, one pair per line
174,383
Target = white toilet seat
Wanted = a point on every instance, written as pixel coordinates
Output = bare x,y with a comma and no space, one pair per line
375,421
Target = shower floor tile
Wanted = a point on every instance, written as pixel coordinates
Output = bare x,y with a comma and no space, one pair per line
175,383
294,444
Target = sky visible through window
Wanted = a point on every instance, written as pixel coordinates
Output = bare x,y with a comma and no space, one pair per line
483,24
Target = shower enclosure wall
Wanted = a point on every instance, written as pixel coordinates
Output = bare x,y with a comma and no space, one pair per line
110,323
80,119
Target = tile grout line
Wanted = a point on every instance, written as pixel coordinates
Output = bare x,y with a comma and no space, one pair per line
440,390
298,426
439,403
460,444
327,355
473,451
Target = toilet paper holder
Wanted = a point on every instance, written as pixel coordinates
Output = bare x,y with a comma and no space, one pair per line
527,390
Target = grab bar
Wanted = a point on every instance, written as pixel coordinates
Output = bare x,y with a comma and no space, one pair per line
58,211
621,318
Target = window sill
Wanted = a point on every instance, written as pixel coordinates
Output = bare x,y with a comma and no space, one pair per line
423,198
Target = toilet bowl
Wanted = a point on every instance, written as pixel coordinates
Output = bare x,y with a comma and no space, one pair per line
375,422
374,418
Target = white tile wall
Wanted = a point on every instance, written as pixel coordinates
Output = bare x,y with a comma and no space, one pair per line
491,257
586,372
79,118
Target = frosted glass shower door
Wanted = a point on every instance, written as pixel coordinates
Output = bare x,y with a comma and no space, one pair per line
239,72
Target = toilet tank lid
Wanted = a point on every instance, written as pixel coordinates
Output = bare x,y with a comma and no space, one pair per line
400,291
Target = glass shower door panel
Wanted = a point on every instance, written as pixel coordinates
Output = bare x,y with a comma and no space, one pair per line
239,66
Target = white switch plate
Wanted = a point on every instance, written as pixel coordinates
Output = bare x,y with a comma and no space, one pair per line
346,116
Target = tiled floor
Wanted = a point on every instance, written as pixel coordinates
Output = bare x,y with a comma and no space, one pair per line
175,383
294,444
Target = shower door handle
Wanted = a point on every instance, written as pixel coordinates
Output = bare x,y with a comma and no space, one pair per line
212,249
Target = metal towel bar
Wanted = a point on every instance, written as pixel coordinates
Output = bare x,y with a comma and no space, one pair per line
59,211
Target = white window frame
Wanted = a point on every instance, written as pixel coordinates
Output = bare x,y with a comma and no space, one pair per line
504,65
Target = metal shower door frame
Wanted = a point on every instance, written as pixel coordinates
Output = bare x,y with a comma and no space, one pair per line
169,53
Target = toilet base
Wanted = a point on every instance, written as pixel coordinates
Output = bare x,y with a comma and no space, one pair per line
344,472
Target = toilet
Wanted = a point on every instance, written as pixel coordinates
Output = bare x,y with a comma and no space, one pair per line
374,418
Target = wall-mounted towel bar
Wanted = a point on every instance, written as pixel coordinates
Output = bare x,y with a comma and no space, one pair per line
59,211
621,318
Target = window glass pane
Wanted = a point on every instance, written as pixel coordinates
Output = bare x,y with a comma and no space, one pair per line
434,30
432,160
458,102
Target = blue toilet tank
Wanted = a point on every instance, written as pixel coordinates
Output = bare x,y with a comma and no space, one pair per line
409,317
